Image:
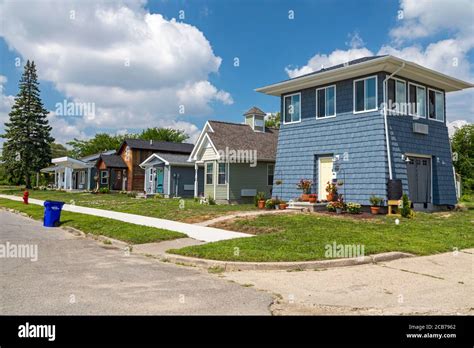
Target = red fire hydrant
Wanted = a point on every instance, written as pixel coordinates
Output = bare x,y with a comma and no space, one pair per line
25,196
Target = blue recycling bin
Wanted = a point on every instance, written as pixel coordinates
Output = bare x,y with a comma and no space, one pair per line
52,213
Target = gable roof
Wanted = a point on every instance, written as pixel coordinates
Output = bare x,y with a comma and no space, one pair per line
154,145
174,159
113,161
365,66
255,110
235,136
94,157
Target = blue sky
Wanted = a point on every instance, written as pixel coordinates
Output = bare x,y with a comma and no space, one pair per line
190,62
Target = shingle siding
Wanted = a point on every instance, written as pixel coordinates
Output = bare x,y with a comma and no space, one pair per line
362,136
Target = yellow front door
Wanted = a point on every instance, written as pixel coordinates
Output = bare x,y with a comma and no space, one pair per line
325,175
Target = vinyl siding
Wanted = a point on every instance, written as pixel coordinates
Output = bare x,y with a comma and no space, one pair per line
243,176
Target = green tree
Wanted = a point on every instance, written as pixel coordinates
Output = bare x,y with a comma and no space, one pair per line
58,150
27,148
164,134
99,143
273,121
462,144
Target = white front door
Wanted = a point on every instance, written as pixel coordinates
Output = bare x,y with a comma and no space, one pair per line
325,175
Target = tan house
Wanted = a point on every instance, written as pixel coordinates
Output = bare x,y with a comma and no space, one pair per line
238,159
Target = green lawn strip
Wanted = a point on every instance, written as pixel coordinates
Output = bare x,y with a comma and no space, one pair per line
164,208
131,233
303,237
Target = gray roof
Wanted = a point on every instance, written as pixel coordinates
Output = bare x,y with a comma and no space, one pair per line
96,156
113,161
155,145
237,136
175,158
255,110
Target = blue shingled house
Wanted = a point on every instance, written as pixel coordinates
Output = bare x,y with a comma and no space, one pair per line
367,123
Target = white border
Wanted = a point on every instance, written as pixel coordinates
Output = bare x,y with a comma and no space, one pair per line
319,173
354,94
225,174
325,94
284,109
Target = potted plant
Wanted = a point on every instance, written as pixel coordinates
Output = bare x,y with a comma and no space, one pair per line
375,204
339,206
313,197
331,189
330,207
353,208
260,199
282,205
305,185
270,203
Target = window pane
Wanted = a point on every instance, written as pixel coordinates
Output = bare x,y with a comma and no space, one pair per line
413,99
439,106
295,101
321,103
287,109
391,94
421,101
221,177
401,96
370,93
359,98
209,170
330,102
431,104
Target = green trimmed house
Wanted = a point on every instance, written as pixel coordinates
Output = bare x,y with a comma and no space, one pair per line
238,159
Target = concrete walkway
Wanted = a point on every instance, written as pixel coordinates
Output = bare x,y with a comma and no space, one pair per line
203,233
242,214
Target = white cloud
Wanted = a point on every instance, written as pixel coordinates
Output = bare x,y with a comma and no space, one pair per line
137,68
6,102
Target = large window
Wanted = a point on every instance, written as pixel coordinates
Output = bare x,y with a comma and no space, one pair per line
104,177
417,100
397,95
221,175
365,94
270,174
292,108
209,173
326,102
436,105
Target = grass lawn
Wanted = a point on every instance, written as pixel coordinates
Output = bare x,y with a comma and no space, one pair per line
303,237
126,232
164,208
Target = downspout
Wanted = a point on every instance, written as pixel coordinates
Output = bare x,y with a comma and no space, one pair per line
387,140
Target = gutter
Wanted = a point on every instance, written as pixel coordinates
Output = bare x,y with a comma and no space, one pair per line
387,140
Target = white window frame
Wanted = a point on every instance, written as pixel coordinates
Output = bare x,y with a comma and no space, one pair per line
284,108
102,177
394,111
219,173
354,94
206,173
428,105
268,166
325,94
426,100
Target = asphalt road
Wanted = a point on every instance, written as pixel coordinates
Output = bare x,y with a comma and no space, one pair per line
74,275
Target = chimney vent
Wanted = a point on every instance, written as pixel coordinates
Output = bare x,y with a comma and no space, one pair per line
151,141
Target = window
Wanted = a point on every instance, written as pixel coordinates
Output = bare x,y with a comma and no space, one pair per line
82,177
436,105
417,100
104,177
365,94
221,175
270,174
326,102
292,108
209,173
396,92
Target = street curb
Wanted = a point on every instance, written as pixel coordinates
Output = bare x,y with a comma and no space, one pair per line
288,266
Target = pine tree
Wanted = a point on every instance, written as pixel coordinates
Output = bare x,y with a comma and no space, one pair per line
27,148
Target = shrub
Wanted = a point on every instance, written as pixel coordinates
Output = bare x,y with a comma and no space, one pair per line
466,198
375,201
258,197
405,210
104,190
270,203
132,194
330,207
211,201
353,208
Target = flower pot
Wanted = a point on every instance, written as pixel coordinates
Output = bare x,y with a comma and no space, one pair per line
312,198
282,206
305,197
330,197
374,210
338,211
261,204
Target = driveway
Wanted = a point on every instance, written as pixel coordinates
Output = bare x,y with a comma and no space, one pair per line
74,275
437,284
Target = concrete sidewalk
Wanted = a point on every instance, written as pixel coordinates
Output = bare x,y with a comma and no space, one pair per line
203,233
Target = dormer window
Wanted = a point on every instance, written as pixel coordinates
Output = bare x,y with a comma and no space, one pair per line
255,118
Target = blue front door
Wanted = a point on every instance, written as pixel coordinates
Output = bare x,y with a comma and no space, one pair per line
159,180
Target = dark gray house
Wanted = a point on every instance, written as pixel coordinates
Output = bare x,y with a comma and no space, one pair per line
364,123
